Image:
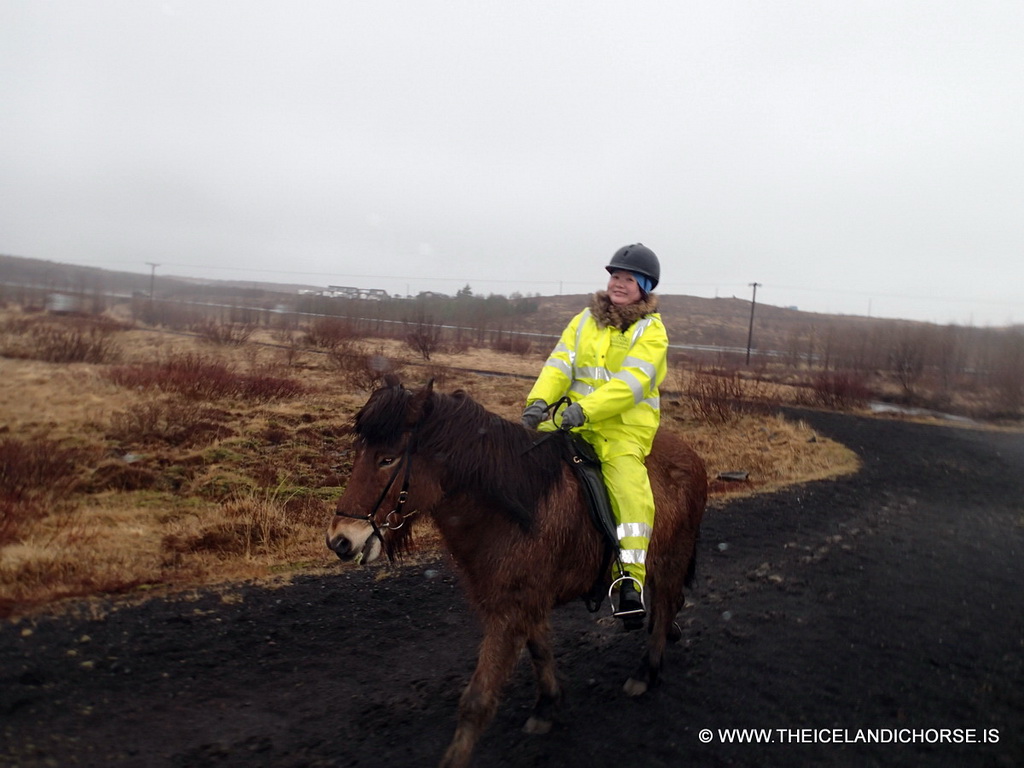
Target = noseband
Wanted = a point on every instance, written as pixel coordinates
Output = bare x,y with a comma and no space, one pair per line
394,519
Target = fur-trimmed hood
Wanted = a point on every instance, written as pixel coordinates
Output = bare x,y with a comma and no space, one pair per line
607,314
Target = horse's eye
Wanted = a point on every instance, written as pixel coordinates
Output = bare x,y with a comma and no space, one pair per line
385,461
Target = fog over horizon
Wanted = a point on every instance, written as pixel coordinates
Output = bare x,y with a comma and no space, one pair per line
858,159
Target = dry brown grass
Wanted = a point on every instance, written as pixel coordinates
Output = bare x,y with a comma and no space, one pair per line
174,490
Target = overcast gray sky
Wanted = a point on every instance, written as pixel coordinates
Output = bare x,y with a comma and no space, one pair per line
862,157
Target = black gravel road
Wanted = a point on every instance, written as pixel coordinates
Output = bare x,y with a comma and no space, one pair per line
875,620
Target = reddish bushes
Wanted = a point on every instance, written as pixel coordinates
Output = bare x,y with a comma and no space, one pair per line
840,390
75,341
423,335
36,478
360,368
329,332
200,378
228,334
513,345
719,396
174,423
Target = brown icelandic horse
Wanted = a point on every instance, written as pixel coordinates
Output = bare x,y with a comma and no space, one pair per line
514,519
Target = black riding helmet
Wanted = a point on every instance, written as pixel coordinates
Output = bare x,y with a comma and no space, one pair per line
637,258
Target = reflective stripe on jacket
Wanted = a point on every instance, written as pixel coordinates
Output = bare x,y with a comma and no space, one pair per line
613,374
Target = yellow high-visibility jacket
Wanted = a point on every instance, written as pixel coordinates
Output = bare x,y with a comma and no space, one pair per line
611,360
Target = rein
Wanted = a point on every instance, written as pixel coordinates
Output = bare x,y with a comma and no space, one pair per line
394,519
551,410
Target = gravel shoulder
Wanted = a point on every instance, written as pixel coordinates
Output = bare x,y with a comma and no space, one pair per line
886,603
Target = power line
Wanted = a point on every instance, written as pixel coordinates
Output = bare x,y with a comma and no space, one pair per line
560,284
886,295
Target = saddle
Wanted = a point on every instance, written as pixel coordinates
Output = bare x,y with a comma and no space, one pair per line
587,467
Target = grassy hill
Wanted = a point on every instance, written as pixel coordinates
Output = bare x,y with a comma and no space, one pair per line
914,362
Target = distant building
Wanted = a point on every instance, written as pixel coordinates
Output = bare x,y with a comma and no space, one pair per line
63,303
351,292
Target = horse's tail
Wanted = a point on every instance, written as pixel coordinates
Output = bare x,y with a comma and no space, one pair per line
691,569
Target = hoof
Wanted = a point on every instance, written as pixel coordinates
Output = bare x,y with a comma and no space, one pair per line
537,727
675,632
634,687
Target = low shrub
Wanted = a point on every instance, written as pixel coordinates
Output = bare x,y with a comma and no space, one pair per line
513,345
329,332
167,314
81,340
228,334
201,378
360,368
120,475
423,336
176,423
254,523
424,342
714,395
840,390
36,479
720,395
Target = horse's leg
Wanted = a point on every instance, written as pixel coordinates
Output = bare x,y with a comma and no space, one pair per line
667,600
549,693
499,652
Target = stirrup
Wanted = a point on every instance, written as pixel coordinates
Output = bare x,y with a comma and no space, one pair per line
617,612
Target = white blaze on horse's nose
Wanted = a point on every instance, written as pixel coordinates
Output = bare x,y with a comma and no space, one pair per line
353,541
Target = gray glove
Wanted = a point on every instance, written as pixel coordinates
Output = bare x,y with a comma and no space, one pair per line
573,416
534,414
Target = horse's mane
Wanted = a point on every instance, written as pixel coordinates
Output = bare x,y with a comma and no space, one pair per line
474,448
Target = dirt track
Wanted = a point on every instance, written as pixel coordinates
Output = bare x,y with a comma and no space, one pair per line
889,600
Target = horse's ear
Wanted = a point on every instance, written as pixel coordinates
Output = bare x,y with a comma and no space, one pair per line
421,404
392,381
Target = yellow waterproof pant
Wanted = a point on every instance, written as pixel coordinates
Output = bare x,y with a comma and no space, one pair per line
629,489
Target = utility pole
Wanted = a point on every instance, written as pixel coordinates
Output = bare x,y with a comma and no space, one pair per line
750,331
152,279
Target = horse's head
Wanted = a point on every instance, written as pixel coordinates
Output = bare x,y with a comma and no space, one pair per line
384,491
